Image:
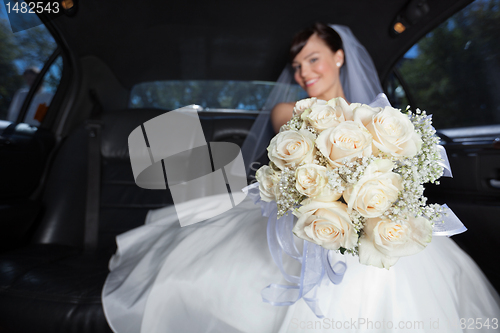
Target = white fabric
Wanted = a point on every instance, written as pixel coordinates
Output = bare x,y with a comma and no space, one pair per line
261,133
358,75
208,277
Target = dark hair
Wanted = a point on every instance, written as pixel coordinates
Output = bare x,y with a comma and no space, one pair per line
327,34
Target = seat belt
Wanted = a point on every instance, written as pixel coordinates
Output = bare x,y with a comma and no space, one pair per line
93,127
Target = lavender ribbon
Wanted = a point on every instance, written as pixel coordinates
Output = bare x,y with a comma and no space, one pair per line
445,163
315,260
448,225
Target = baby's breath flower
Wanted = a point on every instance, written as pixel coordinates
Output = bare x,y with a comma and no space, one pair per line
288,195
293,124
422,168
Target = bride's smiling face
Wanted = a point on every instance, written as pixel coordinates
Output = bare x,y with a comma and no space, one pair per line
317,69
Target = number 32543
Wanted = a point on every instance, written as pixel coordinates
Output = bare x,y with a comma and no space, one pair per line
33,7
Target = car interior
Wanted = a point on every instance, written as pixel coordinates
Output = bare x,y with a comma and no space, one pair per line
66,183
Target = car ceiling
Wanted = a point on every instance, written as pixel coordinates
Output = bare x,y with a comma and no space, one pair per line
239,40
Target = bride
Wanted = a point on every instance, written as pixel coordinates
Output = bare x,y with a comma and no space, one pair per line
208,277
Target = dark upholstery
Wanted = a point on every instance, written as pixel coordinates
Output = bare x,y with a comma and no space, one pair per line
16,219
54,286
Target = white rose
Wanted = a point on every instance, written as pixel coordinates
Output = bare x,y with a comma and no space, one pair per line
311,180
348,140
376,190
393,133
268,183
322,117
326,224
340,104
306,104
383,241
291,148
364,113
354,106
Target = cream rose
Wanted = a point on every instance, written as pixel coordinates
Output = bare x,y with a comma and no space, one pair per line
291,148
322,117
393,133
268,183
326,224
376,190
383,241
306,104
340,105
311,180
364,113
348,140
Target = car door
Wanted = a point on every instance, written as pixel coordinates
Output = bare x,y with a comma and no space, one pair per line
32,66
454,74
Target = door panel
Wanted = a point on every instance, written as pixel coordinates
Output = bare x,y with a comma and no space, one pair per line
23,154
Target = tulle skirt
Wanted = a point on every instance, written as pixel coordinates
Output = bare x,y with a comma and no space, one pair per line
207,277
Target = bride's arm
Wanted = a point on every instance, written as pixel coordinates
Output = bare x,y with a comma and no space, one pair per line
280,114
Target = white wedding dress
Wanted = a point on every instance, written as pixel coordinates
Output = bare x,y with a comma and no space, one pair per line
207,277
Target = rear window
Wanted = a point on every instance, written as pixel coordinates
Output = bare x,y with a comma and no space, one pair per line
209,94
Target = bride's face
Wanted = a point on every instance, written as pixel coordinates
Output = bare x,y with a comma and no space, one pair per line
317,69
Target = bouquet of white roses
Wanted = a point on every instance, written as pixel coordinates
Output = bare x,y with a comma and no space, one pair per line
353,175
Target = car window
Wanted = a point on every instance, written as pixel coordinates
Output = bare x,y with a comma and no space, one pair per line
40,103
396,93
454,71
209,94
22,57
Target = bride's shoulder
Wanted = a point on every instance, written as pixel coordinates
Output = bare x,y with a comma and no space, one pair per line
281,113
284,107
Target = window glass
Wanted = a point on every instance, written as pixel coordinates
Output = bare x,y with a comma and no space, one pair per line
210,94
40,103
22,56
454,72
396,92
